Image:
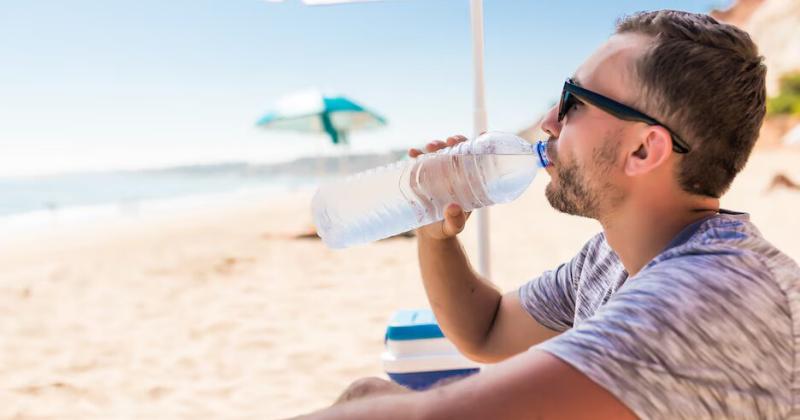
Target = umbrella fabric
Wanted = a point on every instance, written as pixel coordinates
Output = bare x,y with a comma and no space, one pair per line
312,112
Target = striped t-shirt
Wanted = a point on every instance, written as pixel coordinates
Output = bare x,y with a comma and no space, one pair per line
710,328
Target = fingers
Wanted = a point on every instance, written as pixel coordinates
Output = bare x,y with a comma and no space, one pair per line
436,145
414,152
454,220
453,140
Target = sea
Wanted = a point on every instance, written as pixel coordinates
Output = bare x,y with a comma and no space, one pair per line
35,202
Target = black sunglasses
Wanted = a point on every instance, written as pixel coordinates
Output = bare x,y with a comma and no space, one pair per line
573,93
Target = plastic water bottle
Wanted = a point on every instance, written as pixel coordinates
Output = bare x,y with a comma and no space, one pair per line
493,168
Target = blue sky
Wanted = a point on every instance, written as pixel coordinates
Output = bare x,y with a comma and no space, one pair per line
91,85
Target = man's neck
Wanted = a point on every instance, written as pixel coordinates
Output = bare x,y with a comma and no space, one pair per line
638,232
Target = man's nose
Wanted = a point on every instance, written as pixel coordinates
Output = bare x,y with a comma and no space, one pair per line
550,123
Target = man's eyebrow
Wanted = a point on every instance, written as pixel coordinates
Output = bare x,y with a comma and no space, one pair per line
575,81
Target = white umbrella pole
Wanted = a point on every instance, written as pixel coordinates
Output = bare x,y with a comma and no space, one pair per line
476,12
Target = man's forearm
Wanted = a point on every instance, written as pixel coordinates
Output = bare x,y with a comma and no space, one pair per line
464,303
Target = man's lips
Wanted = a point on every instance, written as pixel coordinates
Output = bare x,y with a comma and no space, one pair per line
551,154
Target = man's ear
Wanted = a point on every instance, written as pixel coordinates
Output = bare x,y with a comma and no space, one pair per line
650,153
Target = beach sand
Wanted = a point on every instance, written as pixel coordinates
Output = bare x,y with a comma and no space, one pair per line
221,314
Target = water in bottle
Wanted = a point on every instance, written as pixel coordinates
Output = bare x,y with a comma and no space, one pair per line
378,203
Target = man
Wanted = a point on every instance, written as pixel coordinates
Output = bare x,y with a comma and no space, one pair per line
678,309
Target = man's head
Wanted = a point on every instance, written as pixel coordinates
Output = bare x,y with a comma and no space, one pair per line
701,79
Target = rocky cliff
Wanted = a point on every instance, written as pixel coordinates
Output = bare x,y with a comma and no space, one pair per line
775,27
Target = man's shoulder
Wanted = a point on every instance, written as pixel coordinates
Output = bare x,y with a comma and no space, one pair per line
725,253
726,256
728,238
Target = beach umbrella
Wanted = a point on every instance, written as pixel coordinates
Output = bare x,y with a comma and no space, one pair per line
312,112
479,115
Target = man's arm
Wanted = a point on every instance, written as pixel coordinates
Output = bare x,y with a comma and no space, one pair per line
534,384
482,323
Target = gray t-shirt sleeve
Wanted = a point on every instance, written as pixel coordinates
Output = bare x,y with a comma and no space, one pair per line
704,336
550,298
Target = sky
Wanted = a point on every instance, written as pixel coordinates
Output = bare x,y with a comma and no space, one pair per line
108,84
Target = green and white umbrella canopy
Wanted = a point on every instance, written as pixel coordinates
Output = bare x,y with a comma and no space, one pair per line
312,112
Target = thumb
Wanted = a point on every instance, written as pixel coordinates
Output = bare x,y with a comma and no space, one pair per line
454,220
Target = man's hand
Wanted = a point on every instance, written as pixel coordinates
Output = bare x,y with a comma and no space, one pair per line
370,387
454,216
495,326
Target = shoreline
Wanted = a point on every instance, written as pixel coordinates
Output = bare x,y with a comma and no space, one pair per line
74,220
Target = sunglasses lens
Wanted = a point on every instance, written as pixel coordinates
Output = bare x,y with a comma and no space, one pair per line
565,104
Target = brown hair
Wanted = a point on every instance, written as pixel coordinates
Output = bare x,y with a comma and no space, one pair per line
705,80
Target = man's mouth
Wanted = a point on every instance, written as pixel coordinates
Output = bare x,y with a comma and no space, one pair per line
551,151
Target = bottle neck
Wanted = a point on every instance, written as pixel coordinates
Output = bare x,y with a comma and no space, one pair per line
540,149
